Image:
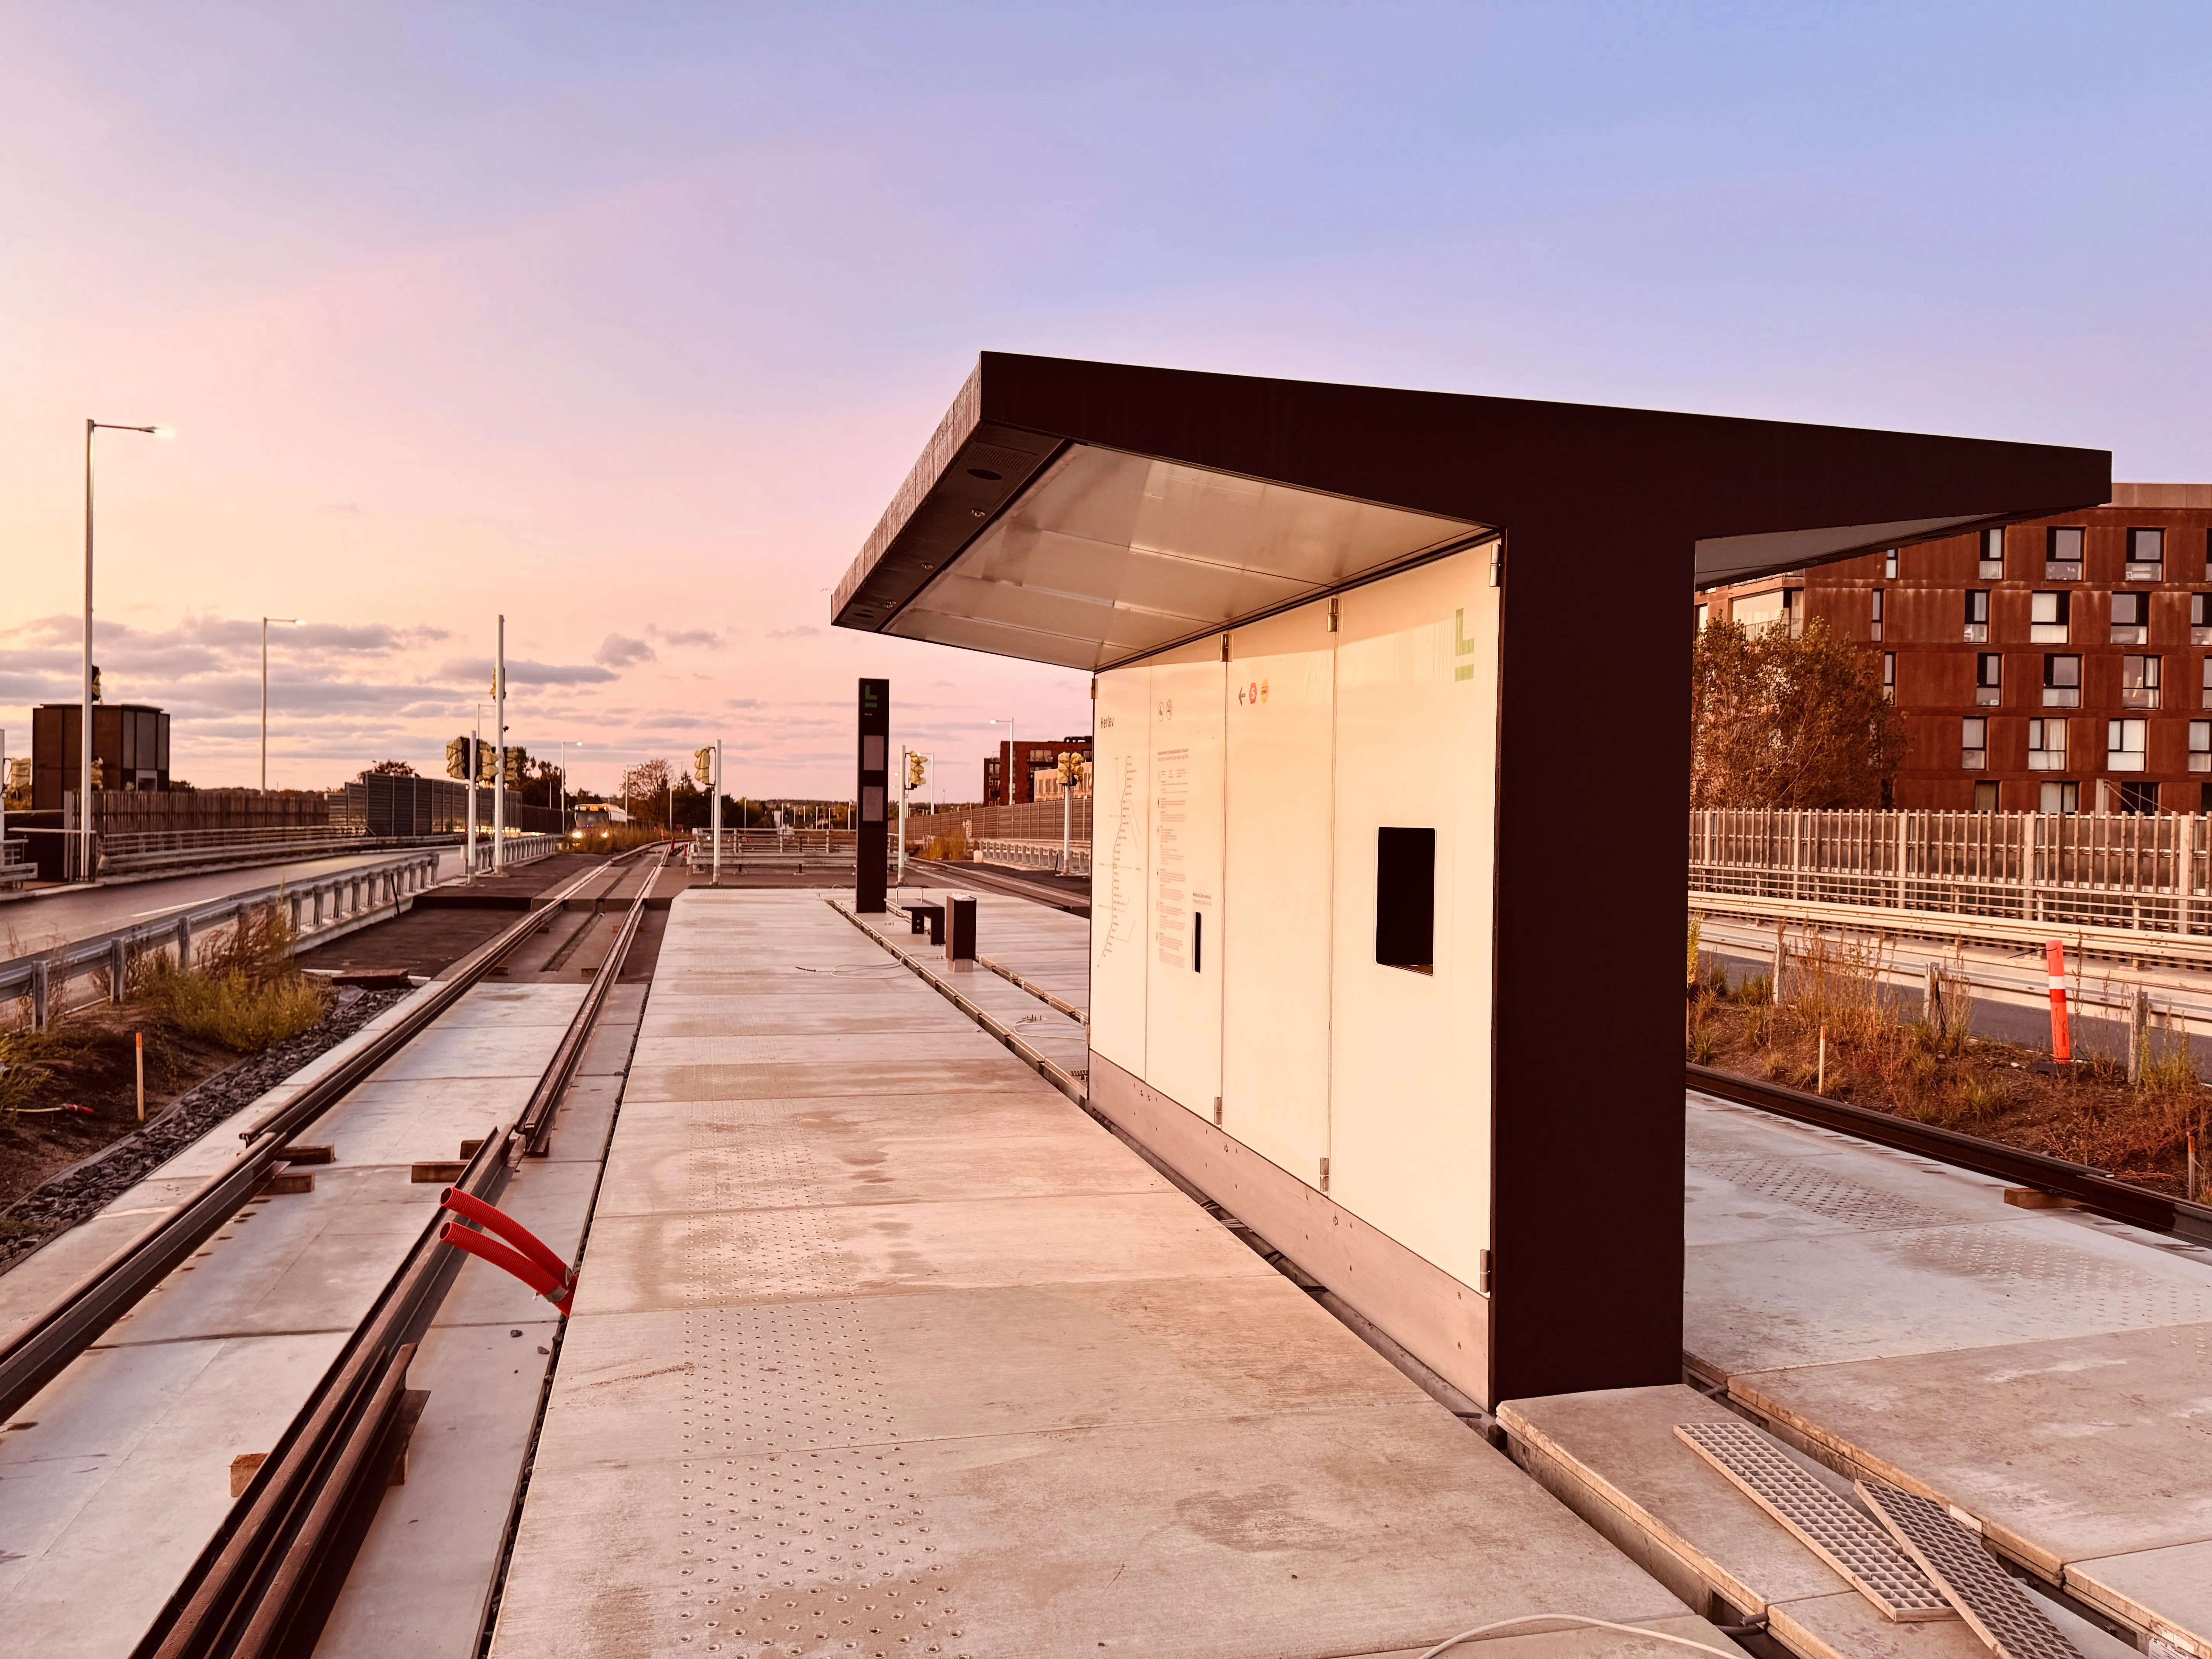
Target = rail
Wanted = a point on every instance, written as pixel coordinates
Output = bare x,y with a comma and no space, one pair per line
953,874
2089,1188
15,866
37,1353
2148,873
267,1581
313,907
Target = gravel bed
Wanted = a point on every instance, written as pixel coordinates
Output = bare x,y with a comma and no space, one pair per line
87,1187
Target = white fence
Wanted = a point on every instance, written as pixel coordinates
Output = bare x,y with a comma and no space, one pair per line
2148,873
1036,856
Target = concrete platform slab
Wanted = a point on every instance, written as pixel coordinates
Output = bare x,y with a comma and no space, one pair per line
952,1418
730,1256
110,1495
1022,1361
1263,1535
2167,1592
855,1149
2065,1450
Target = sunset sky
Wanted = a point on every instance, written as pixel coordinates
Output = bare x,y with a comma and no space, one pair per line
627,319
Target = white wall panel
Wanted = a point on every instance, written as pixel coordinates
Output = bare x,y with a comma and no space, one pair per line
1183,998
1279,842
1120,916
1416,746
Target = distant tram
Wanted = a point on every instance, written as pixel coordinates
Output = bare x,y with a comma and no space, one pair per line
594,826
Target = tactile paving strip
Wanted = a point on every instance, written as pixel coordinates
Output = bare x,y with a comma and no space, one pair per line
1996,1609
1821,1520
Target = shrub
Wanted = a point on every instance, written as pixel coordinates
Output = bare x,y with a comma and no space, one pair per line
244,991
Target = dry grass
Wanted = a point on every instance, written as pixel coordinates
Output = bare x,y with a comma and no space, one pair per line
243,992
1879,1057
953,847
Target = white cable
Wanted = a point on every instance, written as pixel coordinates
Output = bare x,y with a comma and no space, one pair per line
1482,1632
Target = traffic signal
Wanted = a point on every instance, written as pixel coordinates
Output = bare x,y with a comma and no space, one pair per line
487,764
517,758
456,759
702,766
95,682
917,769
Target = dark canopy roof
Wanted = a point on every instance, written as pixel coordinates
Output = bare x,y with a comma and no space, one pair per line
1088,513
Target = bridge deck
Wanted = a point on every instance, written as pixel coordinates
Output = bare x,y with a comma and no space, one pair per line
883,1346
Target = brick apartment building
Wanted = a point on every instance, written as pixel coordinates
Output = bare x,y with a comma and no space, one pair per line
2060,665
1038,775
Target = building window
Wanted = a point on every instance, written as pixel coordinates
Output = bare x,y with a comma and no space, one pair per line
1977,615
2062,556
2139,682
1889,675
2124,744
2200,619
1985,796
1974,743
2048,615
1702,616
1793,610
2060,798
1889,565
2046,746
1406,899
2131,619
2138,797
2200,745
1989,678
2146,555
1874,613
2062,681
1992,565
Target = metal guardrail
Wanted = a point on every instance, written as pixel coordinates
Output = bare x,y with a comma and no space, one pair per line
312,907
2149,872
1046,856
15,866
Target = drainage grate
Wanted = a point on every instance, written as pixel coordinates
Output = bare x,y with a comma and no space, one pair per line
1818,1518
1998,1609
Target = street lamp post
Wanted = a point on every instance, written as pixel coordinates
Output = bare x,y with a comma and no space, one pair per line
289,622
85,871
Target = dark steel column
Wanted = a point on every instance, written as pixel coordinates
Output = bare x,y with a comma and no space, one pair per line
872,844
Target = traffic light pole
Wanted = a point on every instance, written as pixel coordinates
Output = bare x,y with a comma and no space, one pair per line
718,811
476,772
906,771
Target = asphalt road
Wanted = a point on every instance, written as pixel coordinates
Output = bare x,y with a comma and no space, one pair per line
39,921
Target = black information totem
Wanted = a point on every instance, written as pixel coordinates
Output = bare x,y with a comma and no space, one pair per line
872,845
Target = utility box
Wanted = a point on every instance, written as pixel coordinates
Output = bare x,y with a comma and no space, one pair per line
1392,704
959,927
129,749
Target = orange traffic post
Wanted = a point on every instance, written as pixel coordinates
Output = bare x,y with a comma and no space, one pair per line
2062,1049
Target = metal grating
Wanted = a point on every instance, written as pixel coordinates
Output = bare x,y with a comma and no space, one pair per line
1999,1611
1819,1519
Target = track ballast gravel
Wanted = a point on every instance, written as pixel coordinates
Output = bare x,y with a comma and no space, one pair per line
86,1188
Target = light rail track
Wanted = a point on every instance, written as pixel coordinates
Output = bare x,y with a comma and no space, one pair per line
267,1581
2088,1189
269,1576
962,875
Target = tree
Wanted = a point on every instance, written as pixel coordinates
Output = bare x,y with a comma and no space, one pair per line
391,768
645,790
1796,723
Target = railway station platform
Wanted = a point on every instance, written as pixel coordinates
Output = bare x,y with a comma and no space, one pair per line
2044,1374
883,1346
